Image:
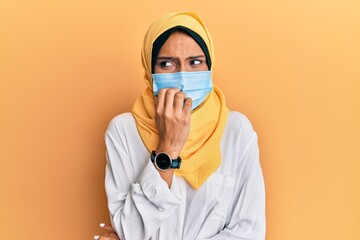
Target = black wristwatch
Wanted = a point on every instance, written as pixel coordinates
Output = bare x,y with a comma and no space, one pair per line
163,161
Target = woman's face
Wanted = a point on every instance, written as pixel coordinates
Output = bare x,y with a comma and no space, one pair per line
180,53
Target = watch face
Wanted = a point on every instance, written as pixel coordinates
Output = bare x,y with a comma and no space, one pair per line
163,161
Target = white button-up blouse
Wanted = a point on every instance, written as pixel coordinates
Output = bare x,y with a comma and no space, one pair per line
229,205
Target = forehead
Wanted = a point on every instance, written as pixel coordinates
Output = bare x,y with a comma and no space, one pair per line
180,44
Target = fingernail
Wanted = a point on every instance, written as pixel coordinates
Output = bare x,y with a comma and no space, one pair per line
96,237
102,224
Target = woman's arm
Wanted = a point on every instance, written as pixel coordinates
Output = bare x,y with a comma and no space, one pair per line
139,205
139,200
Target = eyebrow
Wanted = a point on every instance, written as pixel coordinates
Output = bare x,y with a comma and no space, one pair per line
174,58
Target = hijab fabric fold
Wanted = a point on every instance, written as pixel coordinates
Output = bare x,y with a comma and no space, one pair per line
201,154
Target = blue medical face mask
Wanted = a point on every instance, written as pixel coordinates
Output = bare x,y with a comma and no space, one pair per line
196,85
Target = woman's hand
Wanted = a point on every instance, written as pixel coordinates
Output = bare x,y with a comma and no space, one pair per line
173,112
110,235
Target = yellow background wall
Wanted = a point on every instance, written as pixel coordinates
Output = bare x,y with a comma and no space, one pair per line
68,66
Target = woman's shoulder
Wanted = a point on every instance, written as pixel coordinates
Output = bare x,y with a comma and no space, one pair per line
123,122
239,124
238,133
239,139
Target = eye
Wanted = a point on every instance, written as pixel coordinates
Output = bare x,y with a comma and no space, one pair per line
166,64
196,62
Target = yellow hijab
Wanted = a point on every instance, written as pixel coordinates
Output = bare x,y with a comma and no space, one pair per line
201,154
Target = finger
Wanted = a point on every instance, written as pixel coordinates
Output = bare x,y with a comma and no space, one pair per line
114,235
161,98
107,227
179,101
105,238
187,107
169,98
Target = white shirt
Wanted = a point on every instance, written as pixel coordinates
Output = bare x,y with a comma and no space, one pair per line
229,205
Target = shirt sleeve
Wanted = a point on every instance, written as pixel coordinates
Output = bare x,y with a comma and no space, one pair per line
137,205
247,221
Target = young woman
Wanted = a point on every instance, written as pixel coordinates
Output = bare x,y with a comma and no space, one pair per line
181,165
